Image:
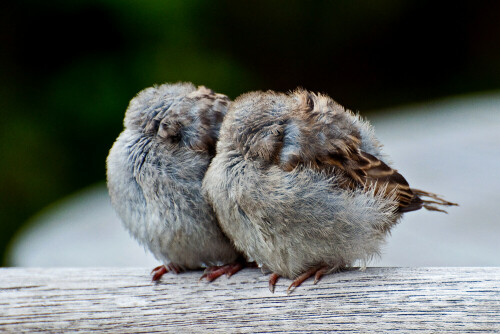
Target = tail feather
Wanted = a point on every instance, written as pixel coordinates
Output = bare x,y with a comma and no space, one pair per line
417,201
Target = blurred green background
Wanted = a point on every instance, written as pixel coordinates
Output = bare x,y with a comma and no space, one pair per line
69,68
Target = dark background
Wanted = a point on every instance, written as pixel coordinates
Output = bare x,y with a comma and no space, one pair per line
69,68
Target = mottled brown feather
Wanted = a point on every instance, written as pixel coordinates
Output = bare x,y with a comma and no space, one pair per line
368,171
361,168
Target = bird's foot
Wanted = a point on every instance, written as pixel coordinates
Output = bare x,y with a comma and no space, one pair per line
214,272
159,271
318,272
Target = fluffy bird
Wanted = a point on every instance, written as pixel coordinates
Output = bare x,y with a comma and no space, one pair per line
154,175
301,185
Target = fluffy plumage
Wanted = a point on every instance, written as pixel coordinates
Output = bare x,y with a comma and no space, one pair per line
300,183
155,170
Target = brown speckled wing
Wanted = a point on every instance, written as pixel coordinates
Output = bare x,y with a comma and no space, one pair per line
368,171
331,143
361,169
339,150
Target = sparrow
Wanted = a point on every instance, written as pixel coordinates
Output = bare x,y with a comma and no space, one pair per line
154,176
301,185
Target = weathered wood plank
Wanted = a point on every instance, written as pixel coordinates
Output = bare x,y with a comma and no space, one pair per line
124,300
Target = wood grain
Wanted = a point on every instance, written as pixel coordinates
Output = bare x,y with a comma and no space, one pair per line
124,300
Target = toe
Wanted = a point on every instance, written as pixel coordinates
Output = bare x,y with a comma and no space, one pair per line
158,272
272,281
321,271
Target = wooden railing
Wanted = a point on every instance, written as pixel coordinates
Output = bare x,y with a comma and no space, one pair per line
124,300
